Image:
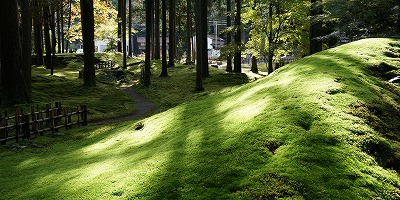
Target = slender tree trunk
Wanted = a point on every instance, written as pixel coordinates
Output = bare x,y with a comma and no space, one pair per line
53,30
201,42
172,27
26,48
238,39
124,34
46,19
12,84
254,67
87,17
59,28
315,27
270,42
164,72
148,41
130,28
69,23
204,25
62,30
189,32
228,36
119,15
38,30
152,32
157,29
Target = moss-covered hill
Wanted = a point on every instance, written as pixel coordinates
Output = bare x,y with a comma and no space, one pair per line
324,127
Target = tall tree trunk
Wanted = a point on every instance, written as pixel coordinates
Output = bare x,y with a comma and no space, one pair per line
171,52
62,30
164,72
238,39
157,29
130,28
204,49
315,27
69,24
119,15
201,42
152,32
270,41
228,35
38,30
87,17
146,79
26,48
53,30
12,89
46,19
254,67
124,34
189,32
59,27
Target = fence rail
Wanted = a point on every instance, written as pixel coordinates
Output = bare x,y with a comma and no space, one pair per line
100,65
25,125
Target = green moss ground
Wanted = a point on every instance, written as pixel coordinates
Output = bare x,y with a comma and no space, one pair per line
319,128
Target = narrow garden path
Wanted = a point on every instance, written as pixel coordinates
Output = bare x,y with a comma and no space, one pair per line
143,108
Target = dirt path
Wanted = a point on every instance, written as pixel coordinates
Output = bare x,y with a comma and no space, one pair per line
143,107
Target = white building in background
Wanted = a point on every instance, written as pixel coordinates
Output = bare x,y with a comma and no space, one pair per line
99,46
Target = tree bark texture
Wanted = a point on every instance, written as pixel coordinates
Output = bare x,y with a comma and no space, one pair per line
46,19
171,50
12,85
124,34
254,67
238,39
228,35
119,15
38,30
130,28
146,78
26,23
164,72
270,41
53,30
157,29
59,28
201,42
69,23
189,32
87,16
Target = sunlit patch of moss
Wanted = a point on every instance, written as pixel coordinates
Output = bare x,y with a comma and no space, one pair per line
303,132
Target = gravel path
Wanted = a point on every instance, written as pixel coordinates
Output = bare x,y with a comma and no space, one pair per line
143,108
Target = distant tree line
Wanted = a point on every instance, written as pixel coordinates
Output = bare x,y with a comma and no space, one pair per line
270,29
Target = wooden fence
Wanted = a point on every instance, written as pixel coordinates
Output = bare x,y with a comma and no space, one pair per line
24,125
101,65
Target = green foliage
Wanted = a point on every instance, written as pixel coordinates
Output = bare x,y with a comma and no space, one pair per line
365,18
105,21
288,27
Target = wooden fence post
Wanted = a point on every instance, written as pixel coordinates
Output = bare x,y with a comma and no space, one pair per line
6,123
2,131
48,108
84,115
17,128
57,116
34,121
25,126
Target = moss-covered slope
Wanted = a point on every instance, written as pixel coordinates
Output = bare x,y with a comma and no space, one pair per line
323,127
